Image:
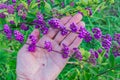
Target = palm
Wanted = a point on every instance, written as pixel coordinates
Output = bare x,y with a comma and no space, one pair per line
47,64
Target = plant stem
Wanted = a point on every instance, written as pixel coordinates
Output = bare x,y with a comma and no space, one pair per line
117,66
44,48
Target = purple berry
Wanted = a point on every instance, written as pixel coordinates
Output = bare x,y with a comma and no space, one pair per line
2,15
40,16
99,50
116,50
37,26
117,38
14,1
106,55
24,27
63,30
44,29
82,32
81,13
10,9
66,51
92,58
33,39
32,48
39,22
73,27
54,23
12,22
48,46
78,54
3,6
24,15
97,33
106,44
107,36
89,11
96,54
28,1
19,7
19,36
63,4
7,31
72,4
87,37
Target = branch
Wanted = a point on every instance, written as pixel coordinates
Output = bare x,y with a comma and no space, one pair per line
117,66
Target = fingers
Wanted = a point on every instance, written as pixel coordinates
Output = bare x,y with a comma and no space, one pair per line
72,36
76,19
65,20
77,40
59,38
52,32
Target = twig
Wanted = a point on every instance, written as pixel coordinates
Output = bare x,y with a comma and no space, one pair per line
44,48
117,66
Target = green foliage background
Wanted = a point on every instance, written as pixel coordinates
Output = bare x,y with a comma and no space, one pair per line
108,19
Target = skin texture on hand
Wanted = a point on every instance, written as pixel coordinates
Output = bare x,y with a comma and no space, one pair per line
43,65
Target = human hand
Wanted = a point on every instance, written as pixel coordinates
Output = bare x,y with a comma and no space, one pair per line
44,65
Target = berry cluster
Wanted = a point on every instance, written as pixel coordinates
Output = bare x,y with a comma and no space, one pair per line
19,36
66,51
48,46
7,31
117,38
33,41
43,26
97,33
78,54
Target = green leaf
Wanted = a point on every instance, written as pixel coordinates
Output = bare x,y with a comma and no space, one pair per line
112,60
67,2
3,57
101,56
2,10
30,16
1,27
2,1
47,7
17,19
85,53
34,5
72,74
24,3
117,59
111,1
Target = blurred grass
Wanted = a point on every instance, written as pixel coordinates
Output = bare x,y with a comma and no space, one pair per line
108,20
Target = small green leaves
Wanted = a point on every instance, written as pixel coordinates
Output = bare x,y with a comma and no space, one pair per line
117,60
16,19
85,54
47,7
24,3
112,60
